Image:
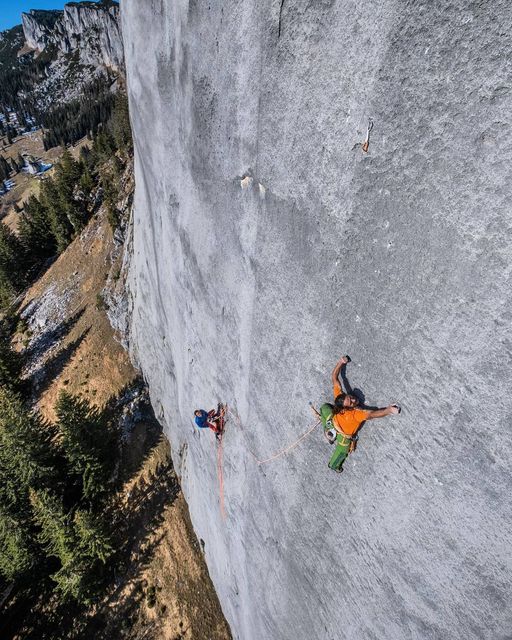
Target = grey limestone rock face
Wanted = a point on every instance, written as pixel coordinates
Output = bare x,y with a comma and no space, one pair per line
266,244
92,29
38,27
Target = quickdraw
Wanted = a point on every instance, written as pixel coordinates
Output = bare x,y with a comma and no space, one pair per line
366,143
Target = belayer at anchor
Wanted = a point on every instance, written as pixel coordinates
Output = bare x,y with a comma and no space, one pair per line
341,421
213,419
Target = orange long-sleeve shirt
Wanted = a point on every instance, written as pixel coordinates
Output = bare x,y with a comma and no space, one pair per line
350,420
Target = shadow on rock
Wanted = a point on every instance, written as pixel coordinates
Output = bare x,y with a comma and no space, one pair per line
355,391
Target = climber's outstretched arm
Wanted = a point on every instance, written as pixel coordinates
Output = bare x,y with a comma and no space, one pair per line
393,409
336,371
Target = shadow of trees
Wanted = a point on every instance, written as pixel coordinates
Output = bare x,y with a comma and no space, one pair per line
43,369
50,369
40,345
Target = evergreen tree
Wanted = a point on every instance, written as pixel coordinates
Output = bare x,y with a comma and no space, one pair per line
70,122
110,197
81,544
12,265
88,441
120,123
59,223
17,554
35,232
29,456
94,542
39,501
72,581
85,156
68,174
10,361
86,183
5,169
102,147
56,535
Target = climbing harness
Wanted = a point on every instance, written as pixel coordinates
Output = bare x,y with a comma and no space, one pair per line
366,143
221,412
332,431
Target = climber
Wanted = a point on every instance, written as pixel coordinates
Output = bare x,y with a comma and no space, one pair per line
342,420
213,420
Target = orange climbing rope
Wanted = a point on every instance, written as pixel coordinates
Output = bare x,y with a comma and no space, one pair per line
283,451
220,476
292,446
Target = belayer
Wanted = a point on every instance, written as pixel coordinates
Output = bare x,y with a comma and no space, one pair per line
213,420
341,420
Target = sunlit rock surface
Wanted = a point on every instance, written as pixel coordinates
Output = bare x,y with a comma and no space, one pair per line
267,244
90,28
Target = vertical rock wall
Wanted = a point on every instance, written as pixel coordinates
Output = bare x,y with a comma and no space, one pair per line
266,244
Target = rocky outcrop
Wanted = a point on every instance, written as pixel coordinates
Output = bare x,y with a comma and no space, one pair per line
266,244
115,292
39,28
92,29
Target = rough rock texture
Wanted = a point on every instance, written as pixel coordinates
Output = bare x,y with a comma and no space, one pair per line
91,28
266,245
38,27
117,304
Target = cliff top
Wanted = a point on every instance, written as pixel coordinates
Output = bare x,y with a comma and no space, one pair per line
45,17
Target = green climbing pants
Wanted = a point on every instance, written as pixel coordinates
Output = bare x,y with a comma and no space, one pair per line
342,448
341,451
